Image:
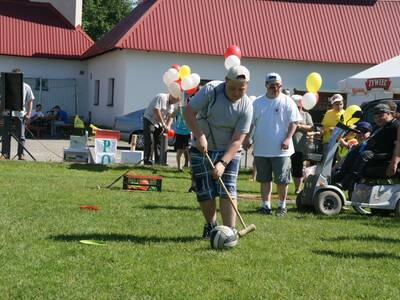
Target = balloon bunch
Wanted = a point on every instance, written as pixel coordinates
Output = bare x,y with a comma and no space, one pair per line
180,78
313,84
232,56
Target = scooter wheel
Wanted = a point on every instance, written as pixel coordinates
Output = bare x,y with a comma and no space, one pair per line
328,203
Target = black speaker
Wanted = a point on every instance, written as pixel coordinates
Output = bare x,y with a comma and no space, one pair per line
12,91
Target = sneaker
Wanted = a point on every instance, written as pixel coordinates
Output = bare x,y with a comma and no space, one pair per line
281,212
21,157
264,210
207,230
192,189
148,163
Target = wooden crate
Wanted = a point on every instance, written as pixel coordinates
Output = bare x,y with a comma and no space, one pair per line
142,182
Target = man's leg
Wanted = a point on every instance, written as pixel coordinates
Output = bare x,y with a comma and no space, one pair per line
157,140
282,168
21,137
229,179
148,129
264,177
228,212
208,208
179,153
205,190
186,155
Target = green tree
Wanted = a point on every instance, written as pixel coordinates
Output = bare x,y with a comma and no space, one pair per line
100,16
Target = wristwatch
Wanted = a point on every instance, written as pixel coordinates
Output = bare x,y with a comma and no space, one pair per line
224,163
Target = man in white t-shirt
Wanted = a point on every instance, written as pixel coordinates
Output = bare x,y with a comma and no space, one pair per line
157,118
275,118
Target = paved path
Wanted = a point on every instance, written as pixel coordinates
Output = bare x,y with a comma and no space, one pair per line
53,150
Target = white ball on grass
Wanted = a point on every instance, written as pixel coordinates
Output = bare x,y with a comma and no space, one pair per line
223,237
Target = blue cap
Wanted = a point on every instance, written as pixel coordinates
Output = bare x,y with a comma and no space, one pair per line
364,126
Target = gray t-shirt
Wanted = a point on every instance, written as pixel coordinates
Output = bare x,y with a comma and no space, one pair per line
160,101
299,137
221,118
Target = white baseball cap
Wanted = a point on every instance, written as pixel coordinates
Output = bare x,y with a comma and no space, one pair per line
272,77
237,72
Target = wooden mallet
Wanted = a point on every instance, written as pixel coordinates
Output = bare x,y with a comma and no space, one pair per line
246,229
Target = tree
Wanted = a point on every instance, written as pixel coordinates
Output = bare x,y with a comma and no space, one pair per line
100,16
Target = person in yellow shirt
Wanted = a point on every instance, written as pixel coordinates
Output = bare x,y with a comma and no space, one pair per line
332,117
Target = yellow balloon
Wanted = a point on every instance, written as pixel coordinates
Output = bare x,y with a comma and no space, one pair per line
184,71
313,82
352,115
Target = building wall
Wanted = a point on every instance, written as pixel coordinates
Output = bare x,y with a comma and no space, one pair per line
57,69
103,68
139,76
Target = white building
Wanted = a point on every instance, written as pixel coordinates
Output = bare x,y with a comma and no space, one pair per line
123,70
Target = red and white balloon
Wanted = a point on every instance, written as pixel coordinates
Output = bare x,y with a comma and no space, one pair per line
232,56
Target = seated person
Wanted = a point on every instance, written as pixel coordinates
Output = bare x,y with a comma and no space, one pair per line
378,150
60,119
36,116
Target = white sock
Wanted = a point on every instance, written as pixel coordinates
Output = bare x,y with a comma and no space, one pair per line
282,203
266,204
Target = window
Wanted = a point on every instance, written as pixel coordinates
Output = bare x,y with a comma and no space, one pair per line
110,101
96,99
41,84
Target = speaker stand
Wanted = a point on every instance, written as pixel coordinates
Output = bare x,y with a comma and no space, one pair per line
8,134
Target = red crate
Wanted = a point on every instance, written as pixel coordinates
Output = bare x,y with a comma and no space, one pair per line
107,134
142,182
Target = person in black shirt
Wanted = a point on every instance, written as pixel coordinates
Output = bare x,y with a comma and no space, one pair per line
378,152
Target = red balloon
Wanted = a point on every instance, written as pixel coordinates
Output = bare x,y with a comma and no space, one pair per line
176,67
233,50
171,133
191,91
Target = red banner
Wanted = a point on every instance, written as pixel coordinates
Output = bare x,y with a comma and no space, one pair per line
378,83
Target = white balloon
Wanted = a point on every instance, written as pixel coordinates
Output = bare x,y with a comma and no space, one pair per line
232,61
187,83
166,79
172,75
174,89
309,101
196,79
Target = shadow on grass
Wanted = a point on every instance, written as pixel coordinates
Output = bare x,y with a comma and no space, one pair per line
170,207
363,238
124,238
352,255
102,168
387,224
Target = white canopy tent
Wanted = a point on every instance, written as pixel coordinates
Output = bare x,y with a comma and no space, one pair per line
378,82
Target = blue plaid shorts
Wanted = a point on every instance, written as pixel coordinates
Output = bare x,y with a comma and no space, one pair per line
206,187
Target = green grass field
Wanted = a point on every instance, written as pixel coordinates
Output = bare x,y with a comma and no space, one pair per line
153,248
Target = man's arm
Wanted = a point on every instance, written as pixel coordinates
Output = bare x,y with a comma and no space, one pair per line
247,142
392,168
291,130
159,117
29,112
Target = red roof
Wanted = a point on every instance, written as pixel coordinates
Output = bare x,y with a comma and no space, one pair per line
337,31
38,29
